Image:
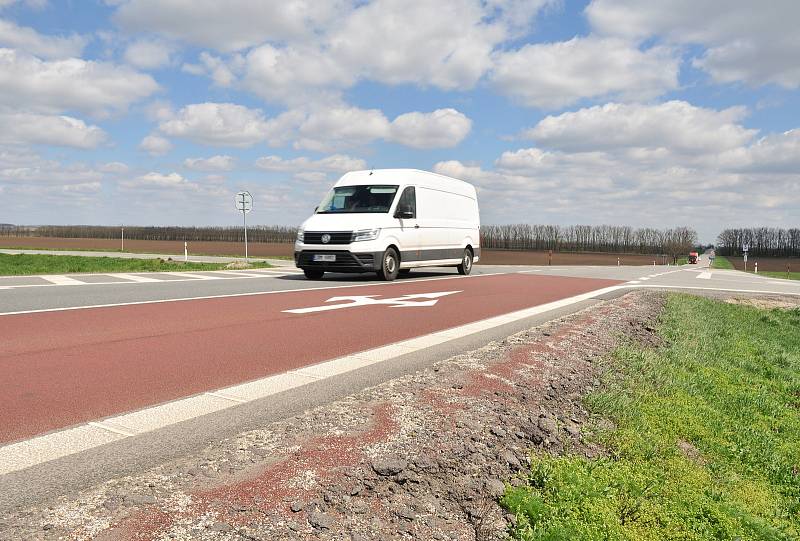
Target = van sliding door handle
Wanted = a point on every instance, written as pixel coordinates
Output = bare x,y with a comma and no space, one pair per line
416,226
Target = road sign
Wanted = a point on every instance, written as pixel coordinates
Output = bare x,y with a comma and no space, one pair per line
745,248
244,202
405,301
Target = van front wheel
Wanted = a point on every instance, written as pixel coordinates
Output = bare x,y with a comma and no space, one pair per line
390,265
313,274
466,263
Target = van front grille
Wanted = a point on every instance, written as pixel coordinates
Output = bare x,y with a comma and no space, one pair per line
336,237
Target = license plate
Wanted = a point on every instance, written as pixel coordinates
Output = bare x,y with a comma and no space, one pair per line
324,257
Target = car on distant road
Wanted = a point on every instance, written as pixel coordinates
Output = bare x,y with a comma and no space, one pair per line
389,221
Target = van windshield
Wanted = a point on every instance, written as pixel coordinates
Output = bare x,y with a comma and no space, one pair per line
350,199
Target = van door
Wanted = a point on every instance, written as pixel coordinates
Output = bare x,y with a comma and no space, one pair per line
408,232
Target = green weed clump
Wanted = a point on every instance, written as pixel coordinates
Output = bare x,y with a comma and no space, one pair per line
706,437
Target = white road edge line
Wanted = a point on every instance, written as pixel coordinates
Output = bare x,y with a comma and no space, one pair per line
61,280
38,450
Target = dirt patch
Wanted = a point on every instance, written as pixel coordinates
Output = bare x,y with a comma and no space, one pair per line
255,249
261,249
784,302
423,456
772,264
512,257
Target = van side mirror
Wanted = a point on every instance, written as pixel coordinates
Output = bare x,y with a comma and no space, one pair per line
316,209
404,213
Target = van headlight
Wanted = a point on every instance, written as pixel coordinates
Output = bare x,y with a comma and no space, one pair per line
301,235
366,234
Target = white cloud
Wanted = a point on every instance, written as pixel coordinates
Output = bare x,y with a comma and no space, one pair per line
222,73
338,163
148,54
227,26
53,86
744,42
154,180
31,41
676,126
214,163
114,168
155,145
30,128
443,128
553,75
346,127
223,124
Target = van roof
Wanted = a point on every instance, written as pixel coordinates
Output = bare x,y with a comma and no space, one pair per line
410,176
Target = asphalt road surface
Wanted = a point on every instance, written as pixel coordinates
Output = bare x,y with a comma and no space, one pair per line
103,374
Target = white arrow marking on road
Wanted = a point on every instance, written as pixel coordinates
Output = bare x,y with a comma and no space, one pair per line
404,301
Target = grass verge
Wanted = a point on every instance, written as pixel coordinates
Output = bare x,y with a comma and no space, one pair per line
134,251
774,274
27,264
722,263
706,437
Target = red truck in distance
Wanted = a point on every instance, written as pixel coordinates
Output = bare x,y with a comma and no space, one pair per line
693,258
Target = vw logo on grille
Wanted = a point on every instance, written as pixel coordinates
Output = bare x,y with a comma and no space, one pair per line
325,238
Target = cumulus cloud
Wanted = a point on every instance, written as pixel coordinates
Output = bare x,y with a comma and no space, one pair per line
443,128
31,41
226,26
214,163
221,72
152,180
148,54
97,88
155,145
743,43
553,75
338,163
674,125
30,128
223,124
343,127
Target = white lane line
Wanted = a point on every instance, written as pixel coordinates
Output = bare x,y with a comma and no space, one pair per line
704,275
134,277
255,293
634,282
193,275
61,280
63,443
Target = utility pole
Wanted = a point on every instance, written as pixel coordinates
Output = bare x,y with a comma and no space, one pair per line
244,204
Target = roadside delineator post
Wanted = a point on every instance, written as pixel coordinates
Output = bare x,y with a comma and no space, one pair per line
185,251
617,262
549,257
756,267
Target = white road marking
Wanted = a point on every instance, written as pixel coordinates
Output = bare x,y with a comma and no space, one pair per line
704,275
134,277
41,449
403,301
254,293
61,280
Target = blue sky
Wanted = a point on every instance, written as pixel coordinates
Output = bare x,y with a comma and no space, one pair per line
612,111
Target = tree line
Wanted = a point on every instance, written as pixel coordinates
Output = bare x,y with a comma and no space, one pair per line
574,238
589,238
255,233
762,241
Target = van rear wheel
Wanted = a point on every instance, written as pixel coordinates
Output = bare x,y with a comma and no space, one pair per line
466,263
390,265
313,274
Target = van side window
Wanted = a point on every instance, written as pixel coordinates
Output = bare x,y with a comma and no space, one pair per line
408,201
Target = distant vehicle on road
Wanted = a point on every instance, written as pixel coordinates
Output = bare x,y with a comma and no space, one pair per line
693,258
389,221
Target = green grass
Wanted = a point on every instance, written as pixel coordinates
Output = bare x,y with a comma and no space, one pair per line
705,444
773,274
683,261
722,263
26,264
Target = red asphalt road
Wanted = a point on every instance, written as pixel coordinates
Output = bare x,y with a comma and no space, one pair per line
63,368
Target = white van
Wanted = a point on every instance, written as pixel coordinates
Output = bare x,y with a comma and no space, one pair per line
390,221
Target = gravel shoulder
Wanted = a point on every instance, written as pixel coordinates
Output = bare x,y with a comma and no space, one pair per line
425,456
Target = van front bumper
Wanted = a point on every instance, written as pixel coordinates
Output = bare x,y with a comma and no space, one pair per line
346,261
